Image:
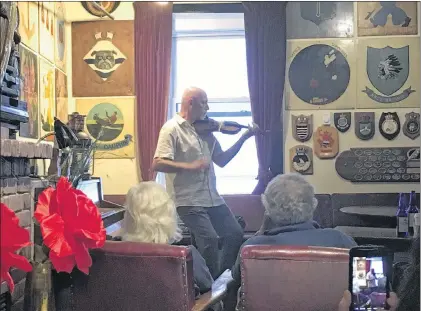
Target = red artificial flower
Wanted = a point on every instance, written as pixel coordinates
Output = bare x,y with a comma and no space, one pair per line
70,225
13,237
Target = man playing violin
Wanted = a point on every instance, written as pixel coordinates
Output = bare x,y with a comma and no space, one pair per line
188,158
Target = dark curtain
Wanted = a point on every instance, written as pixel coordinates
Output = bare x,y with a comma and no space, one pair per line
265,29
152,45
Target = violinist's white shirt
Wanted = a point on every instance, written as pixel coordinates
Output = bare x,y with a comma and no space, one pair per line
178,141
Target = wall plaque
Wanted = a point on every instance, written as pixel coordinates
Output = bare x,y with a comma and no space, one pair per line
319,75
326,142
397,164
103,58
301,159
411,127
386,74
302,127
342,121
364,125
320,19
389,125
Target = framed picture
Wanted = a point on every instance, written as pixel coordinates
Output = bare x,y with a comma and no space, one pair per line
28,24
103,58
47,105
29,92
385,18
319,75
47,29
61,33
110,124
388,73
320,19
61,96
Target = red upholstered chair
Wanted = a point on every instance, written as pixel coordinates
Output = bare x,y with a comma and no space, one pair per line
137,276
293,278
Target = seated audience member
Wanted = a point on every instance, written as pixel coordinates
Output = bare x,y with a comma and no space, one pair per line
151,217
409,288
289,203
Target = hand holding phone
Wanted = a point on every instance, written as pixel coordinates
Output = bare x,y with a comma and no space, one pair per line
370,269
345,303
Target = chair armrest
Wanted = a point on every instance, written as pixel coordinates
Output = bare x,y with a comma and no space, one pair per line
216,294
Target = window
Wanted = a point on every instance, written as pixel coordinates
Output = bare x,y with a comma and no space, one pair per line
210,53
216,64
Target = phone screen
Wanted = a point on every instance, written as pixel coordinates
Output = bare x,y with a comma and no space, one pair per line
369,283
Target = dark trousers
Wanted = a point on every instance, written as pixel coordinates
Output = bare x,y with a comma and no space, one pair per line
207,225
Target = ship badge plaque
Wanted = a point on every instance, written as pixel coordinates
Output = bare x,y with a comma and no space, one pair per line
411,127
301,159
389,125
302,127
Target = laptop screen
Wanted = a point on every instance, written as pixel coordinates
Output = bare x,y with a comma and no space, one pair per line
91,189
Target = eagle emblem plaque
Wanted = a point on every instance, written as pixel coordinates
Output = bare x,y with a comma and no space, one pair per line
388,70
301,159
364,125
389,125
411,127
302,127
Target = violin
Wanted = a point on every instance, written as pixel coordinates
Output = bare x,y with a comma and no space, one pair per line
208,125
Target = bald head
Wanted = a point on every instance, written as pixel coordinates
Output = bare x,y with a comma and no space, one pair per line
194,104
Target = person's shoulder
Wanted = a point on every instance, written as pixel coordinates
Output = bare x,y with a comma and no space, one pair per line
260,240
170,124
170,127
345,240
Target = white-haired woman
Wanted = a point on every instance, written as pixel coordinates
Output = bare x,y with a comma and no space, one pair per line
151,217
289,203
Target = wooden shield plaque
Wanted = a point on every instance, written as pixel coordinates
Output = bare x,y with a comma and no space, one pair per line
301,159
326,142
302,127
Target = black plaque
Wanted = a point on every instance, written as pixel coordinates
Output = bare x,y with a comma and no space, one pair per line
342,121
393,165
411,127
389,125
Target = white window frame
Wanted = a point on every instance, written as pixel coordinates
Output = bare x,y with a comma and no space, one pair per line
174,102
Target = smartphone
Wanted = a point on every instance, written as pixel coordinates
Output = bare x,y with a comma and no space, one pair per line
370,274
